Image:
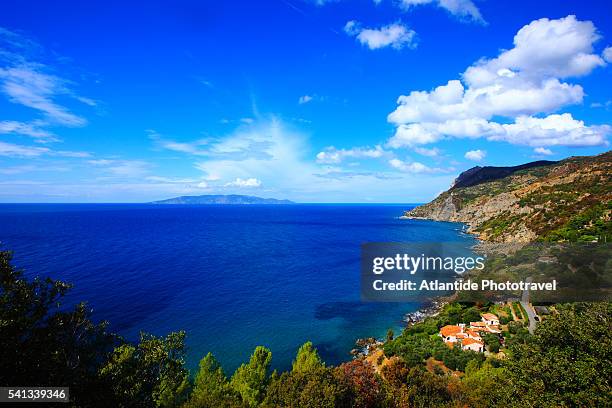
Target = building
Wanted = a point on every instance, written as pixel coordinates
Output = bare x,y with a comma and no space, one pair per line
449,333
470,338
490,319
472,344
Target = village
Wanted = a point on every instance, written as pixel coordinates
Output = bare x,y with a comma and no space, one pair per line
470,337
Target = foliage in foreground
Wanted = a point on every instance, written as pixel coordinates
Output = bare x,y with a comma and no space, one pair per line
567,362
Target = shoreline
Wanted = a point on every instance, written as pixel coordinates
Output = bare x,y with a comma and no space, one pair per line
431,307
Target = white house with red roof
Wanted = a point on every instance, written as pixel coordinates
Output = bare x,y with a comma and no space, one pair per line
470,338
473,345
490,319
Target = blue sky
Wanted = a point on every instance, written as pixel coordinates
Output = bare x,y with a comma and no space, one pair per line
315,101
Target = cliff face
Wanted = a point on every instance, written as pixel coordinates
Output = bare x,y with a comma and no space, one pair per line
569,200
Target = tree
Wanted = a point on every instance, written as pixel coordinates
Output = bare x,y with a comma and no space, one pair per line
492,341
568,360
250,380
307,359
44,342
365,384
485,385
211,388
390,335
151,373
321,388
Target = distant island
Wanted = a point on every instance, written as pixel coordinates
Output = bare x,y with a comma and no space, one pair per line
231,199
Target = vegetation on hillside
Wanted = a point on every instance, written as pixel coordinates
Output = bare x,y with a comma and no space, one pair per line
43,342
567,201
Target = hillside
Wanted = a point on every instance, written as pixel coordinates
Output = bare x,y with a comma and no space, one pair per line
569,200
479,175
221,199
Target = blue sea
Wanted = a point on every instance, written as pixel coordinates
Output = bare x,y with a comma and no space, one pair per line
232,277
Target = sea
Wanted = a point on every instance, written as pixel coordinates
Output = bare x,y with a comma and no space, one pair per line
231,276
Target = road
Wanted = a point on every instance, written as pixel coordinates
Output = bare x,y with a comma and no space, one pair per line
527,306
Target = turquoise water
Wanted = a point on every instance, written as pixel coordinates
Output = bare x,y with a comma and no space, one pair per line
232,277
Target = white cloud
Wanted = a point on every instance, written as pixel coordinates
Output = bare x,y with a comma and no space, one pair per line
475,155
395,35
412,135
172,180
28,168
331,155
244,183
543,151
461,8
518,84
553,130
122,168
607,54
21,151
29,86
13,150
28,129
304,99
424,151
542,49
413,167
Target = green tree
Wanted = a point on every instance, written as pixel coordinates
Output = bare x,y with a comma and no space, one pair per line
485,385
307,359
151,373
211,388
44,342
568,360
390,335
250,380
492,341
322,388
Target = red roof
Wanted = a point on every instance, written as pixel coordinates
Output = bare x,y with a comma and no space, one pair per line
490,316
467,342
450,330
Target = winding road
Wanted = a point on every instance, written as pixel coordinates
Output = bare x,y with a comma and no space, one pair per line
527,306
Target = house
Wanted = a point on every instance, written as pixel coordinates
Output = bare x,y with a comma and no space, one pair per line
481,327
449,333
470,338
490,319
472,344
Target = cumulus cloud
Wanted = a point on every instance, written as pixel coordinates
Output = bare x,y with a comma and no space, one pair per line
543,151
475,155
395,35
553,130
464,9
520,83
244,183
607,54
331,155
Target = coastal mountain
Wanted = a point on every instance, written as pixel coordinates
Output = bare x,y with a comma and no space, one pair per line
569,200
231,199
479,175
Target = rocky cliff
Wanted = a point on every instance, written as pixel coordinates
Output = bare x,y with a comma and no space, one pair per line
569,200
